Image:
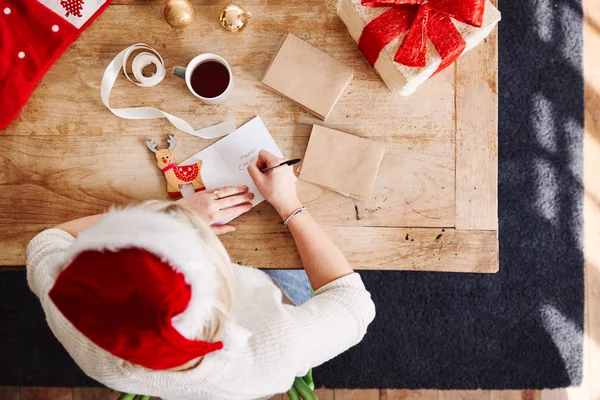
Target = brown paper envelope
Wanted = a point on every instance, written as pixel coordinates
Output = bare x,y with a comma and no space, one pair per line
342,162
307,76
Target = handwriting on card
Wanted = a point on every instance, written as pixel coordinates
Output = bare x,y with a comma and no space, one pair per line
247,158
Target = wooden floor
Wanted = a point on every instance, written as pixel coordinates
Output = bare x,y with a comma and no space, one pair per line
323,394
590,390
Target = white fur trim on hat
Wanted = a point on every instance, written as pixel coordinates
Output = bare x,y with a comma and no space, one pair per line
172,241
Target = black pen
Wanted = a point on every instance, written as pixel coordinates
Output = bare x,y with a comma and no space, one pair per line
288,162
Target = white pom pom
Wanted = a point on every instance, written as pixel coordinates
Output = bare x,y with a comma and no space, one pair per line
235,341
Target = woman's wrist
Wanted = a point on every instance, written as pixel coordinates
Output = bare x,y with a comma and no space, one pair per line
285,210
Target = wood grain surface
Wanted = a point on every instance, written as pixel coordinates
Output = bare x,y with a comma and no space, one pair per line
44,393
415,249
477,137
67,156
398,394
464,395
40,393
515,394
94,394
322,394
345,394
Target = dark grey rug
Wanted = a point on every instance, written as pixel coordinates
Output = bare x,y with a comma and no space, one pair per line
519,328
522,327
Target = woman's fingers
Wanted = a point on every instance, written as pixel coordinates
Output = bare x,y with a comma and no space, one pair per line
234,212
234,200
254,171
227,191
267,159
222,229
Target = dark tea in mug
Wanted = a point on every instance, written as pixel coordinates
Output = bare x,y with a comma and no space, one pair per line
210,79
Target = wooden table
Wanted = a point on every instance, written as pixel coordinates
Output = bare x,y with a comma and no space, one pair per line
434,206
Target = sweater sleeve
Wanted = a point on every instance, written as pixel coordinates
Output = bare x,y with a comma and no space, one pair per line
331,322
43,252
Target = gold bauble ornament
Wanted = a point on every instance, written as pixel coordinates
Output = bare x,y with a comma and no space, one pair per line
179,13
233,18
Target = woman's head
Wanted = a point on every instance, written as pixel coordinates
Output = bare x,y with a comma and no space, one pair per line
150,284
223,296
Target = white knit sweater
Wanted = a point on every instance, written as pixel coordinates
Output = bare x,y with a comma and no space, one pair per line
286,340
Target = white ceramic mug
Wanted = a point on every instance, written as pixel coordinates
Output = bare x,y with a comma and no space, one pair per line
186,73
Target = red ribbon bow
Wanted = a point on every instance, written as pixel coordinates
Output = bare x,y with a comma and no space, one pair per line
422,19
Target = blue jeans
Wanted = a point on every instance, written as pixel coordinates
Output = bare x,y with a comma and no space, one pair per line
293,282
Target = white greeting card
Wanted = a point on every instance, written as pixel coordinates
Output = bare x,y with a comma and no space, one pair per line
225,163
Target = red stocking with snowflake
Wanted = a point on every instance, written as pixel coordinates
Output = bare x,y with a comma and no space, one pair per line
33,34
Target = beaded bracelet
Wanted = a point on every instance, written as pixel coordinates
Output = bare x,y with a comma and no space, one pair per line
299,211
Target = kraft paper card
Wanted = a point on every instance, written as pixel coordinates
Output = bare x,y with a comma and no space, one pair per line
225,163
307,76
342,162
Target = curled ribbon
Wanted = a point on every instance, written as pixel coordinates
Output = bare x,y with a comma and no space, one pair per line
422,19
140,61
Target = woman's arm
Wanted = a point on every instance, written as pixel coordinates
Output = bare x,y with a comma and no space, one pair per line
78,225
211,206
322,260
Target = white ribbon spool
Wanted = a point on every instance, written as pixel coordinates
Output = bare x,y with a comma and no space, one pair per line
141,61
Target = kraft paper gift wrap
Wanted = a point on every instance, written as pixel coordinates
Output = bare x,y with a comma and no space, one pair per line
307,76
444,26
342,162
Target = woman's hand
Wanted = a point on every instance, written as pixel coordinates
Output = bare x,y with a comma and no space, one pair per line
219,204
277,186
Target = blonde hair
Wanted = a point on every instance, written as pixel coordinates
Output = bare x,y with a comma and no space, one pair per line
214,328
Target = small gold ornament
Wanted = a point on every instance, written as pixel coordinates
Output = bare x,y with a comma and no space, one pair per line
179,13
233,18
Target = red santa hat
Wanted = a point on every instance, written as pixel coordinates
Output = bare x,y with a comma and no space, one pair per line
141,285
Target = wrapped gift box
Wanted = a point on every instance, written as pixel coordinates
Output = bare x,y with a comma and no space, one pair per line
407,41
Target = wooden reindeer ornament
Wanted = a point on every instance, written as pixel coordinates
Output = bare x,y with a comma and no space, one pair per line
176,175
